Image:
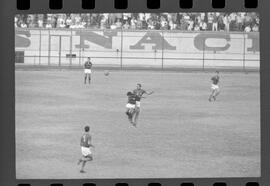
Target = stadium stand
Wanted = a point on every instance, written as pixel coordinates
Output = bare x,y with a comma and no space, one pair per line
241,22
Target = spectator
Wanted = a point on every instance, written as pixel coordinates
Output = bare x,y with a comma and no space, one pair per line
247,28
40,23
118,24
68,22
139,24
23,25
16,21
164,23
190,25
255,28
215,23
126,25
103,23
226,23
48,25
196,28
127,17
203,26
172,25
133,23
210,19
113,26
144,24
156,25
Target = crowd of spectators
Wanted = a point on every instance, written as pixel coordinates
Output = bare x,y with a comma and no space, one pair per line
215,21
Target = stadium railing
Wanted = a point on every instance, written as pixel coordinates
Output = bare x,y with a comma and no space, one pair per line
159,49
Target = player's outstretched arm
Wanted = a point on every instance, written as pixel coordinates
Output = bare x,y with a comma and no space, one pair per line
149,93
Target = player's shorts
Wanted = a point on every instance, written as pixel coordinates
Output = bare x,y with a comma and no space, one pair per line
87,71
130,106
86,151
214,87
138,104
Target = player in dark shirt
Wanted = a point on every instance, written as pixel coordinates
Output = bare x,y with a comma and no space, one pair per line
87,70
85,144
131,105
139,92
215,88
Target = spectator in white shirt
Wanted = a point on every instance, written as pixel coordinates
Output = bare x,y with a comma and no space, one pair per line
196,28
126,25
133,23
23,25
255,28
16,21
48,25
40,23
190,24
247,29
203,26
68,22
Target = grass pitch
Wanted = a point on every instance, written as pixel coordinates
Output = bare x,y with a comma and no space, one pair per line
179,134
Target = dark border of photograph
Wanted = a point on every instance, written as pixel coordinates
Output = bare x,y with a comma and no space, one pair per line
7,94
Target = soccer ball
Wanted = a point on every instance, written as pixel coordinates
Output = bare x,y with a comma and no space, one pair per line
106,72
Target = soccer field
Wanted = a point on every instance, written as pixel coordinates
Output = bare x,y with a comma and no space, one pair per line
179,134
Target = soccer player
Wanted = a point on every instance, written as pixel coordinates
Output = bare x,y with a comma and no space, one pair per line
215,88
139,92
85,148
87,70
131,104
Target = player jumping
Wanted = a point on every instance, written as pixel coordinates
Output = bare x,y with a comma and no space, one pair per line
139,92
131,105
215,88
85,148
87,70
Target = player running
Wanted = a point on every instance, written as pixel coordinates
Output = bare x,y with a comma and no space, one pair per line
139,92
85,148
87,70
131,106
215,88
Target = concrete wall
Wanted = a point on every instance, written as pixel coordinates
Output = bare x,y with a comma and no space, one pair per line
139,48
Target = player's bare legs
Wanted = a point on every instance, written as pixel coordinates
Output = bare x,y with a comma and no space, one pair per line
216,94
82,169
136,116
85,78
211,95
84,160
89,78
129,113
80,161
